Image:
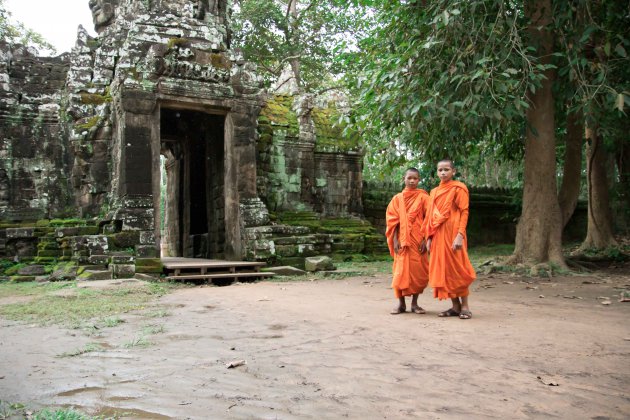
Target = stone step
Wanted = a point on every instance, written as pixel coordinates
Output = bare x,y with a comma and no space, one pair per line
96,275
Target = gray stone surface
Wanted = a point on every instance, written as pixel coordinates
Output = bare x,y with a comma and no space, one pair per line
285,270
319,263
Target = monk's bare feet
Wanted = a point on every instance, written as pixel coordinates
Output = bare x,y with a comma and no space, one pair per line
417,309
400,309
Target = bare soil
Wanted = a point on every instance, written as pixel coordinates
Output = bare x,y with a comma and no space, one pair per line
330,349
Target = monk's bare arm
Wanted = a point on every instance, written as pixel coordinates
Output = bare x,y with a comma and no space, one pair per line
396,243
461,200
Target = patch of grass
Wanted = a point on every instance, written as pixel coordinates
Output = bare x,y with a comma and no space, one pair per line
33,288
153,329
112,322
21,411
480,254
75,306
88,348
140,342
157,313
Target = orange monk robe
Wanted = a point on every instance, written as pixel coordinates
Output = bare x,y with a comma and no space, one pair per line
450,272
405,215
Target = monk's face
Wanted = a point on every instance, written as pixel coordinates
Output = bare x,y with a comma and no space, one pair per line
411,179
445,171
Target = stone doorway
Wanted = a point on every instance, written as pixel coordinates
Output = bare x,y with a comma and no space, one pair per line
192,193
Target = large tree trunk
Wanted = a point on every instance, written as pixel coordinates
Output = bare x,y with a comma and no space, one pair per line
539,230
599,233
623,166
571,177
292,14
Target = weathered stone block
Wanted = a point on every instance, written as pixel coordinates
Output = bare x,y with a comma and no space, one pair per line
22,279
146,251
32,270
123,271
16,233
149,265
286,270
54,253
98,259
122,259
319,263
95,275
147,237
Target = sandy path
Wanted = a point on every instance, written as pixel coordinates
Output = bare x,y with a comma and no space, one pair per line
329,349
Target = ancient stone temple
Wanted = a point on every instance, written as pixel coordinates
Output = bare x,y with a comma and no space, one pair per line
155,139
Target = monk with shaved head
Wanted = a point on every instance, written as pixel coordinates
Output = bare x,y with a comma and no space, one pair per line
405,218
450,270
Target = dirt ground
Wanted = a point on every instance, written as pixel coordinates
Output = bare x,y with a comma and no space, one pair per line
330,349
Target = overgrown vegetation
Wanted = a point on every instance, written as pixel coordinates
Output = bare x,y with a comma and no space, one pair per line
18,410
65,304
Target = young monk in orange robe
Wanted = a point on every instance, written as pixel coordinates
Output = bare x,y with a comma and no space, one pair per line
450,270
405,217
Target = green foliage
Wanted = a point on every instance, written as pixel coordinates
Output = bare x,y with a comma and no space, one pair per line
273,35
450,78
14,32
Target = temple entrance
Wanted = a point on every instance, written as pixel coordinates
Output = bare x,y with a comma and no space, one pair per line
192,199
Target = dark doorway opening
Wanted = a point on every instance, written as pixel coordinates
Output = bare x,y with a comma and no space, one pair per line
192,184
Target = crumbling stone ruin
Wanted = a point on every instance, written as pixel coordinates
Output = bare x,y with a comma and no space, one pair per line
155,139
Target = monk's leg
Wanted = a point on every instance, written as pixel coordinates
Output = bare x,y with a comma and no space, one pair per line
401,308
415,308
465,311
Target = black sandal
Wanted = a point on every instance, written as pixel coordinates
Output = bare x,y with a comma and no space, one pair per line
450,312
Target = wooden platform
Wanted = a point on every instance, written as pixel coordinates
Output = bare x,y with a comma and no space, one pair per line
214,271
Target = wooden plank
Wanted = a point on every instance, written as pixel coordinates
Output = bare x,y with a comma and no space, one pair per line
210,264
220,276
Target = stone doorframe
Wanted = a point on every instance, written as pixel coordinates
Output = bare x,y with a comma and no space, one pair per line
233,241
138,133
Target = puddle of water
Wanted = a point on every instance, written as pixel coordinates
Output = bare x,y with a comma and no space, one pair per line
76,391
267,337
121,398
183,337
278,327
131,413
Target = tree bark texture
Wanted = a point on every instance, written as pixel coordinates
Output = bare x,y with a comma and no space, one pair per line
571,175
599,234
539,230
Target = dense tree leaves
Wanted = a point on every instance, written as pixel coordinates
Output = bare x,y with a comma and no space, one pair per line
307,35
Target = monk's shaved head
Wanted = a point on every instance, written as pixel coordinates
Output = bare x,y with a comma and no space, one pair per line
449,161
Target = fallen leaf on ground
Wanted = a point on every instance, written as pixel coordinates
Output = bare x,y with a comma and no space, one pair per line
547,383
235,363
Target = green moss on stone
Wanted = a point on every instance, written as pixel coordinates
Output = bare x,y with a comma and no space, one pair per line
330,133
89,123
178,42
88,230
149,265
278,110
219,61
95,98
124,240
68,222
21,279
